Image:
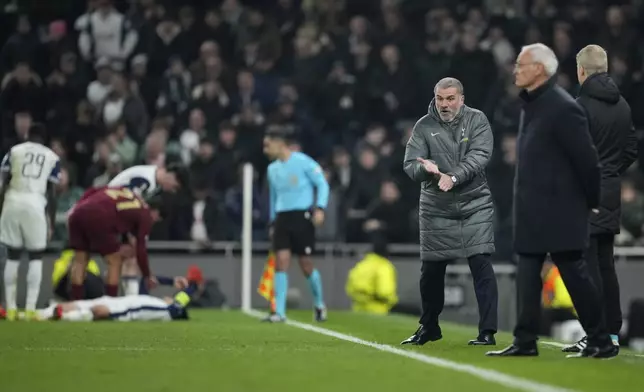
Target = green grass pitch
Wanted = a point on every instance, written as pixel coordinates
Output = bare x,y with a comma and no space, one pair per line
230,351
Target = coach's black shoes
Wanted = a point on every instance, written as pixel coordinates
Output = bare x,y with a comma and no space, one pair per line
274,318
422,336
516,350
577,347
580,345
599,352
484,339
320,315
608,350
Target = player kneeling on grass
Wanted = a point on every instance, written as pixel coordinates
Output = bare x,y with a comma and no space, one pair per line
97,224
128,308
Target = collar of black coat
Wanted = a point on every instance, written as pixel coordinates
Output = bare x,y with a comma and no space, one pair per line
600,86
529,96
433,112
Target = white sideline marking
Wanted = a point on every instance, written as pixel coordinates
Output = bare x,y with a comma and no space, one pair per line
554,344
494,376
562,345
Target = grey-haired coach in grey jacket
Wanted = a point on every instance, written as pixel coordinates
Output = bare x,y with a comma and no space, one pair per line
447,153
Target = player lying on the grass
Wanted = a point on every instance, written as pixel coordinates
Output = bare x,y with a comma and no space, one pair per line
146,181
128,308
97,224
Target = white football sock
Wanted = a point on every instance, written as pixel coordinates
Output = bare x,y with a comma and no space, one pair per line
11,283
34,278
131,286
78,315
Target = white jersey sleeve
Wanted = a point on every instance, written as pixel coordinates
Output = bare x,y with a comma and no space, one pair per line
140,179
31,167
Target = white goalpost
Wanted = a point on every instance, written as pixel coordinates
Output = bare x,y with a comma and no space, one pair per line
247,238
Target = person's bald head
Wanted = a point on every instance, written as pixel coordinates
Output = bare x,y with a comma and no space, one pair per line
591,60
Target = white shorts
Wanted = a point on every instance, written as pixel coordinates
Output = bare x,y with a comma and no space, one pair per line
131,307
23,226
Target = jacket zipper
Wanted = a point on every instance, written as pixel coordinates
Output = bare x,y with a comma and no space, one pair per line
456,160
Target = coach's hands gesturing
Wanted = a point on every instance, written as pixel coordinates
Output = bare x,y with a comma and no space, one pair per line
429,166
445,183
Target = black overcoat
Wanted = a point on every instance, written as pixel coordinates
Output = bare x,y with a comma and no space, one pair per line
557,179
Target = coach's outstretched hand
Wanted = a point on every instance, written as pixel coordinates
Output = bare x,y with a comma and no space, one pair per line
429,166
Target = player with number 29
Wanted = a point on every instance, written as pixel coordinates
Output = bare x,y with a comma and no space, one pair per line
30,172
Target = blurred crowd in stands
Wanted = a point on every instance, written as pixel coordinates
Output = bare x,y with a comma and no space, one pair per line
120,83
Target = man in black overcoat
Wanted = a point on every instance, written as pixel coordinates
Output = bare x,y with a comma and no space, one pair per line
557,184
612,131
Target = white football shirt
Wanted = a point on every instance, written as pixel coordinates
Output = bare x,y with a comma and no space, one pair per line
32,166
141,179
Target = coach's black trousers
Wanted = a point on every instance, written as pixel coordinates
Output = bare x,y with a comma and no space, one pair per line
576,276
601,263
432,292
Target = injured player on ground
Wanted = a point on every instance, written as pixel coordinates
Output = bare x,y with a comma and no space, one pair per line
128,308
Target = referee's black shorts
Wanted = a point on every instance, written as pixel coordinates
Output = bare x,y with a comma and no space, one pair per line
294,230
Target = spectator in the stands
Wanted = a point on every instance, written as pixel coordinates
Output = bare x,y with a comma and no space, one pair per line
105,32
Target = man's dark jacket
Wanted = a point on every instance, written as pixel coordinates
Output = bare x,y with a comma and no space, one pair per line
612,131
457,223
557,174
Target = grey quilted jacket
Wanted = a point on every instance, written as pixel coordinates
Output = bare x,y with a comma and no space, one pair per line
458,223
